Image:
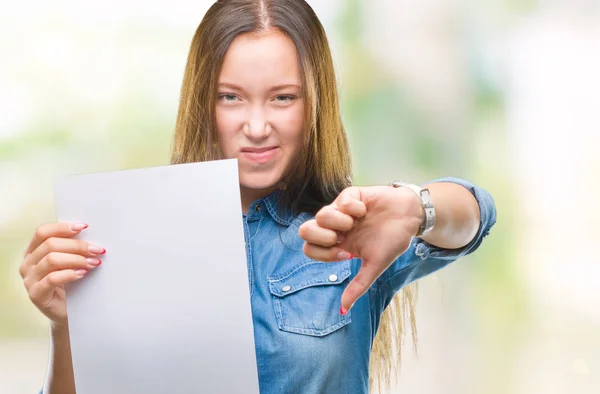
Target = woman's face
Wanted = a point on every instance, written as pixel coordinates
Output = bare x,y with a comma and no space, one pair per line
260,111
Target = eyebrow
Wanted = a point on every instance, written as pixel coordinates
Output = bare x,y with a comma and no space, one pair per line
271,89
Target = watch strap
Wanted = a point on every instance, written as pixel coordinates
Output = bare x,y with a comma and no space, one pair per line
426,203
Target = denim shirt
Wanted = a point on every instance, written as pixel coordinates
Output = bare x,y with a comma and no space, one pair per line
303,343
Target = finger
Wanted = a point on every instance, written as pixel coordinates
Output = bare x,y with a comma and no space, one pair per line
311,232
329,217
42,234
57,261
63,245
41,292
59,230
349,202
327,254
358,286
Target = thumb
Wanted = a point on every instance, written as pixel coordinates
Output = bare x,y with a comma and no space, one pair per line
358,286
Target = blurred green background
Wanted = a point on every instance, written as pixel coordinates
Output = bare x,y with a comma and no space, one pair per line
503,93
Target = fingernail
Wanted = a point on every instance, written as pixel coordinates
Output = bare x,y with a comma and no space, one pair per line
343,311
344,255
93,262
96,249
81,272
78,226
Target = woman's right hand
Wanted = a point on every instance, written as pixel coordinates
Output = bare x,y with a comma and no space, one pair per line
53,259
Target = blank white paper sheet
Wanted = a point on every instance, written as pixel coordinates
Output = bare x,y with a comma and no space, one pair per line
168,311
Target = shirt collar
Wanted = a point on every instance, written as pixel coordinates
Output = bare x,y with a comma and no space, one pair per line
283,217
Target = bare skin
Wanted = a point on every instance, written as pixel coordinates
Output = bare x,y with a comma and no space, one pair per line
377,224
259,114
53,259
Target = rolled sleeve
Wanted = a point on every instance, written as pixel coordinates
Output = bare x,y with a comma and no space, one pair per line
487,214
422,258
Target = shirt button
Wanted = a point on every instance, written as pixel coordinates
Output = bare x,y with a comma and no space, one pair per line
333,277
286,288
258,208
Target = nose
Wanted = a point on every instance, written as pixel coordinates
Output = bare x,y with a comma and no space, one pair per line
257,127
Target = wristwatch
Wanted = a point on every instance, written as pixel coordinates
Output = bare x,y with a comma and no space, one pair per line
426,202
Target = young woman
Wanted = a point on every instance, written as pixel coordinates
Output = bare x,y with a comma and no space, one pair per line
325,258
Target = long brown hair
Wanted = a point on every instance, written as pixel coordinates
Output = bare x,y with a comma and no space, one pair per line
322,169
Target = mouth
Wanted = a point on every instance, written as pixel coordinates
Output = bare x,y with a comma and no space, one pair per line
259,155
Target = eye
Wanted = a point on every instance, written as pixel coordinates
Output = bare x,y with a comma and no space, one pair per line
284,98
227,97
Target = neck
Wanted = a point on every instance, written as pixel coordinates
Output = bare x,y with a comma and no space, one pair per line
250,195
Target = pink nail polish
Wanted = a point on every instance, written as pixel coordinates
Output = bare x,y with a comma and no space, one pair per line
343,311
344,255
81,272
96,249
78,226
93,262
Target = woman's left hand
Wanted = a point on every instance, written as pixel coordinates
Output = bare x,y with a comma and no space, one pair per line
375,223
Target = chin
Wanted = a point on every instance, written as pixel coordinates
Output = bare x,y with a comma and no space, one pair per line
260,181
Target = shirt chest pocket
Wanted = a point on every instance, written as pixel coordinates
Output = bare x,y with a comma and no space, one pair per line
307,298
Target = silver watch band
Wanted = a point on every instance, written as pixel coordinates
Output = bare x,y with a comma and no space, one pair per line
426,202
